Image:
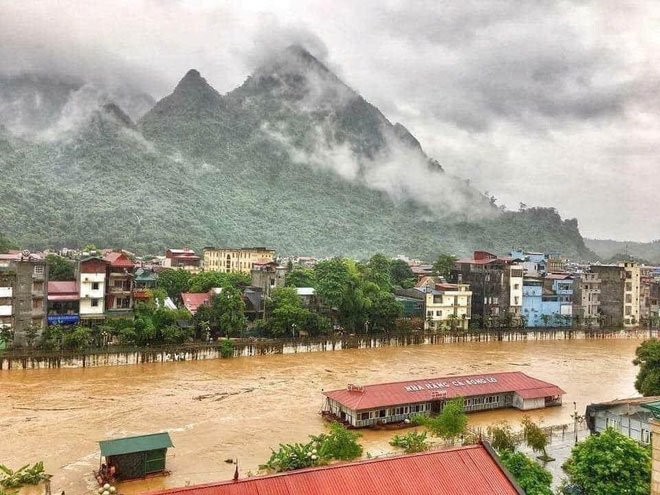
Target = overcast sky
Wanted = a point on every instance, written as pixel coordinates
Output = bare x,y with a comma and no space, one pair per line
552,104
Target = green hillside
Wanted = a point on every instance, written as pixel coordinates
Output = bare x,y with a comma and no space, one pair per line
292,159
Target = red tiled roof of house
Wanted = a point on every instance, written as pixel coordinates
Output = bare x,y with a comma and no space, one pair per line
472,470
193,300
423,390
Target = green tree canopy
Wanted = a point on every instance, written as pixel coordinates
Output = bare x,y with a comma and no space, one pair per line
501,436
450,423
6,244
229,308
286,314
60,268
401,274
648,360
530,475
534,436
300,277
609,464
443,265
174,282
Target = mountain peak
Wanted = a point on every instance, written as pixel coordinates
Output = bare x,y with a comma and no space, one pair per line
193,82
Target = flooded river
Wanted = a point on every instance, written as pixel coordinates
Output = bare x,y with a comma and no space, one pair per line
239,408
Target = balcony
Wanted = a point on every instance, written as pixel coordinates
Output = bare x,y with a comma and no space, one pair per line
6,292
119,290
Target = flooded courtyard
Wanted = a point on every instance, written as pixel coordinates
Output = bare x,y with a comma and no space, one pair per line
240,408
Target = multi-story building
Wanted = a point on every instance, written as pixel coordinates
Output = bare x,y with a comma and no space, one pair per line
548,301
91,275
532,263
63,303
446,305
586,296
620,293
267,277
119,287
496,283
183,259
241,260
23,290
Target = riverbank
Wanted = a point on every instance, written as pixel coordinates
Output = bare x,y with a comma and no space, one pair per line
119,356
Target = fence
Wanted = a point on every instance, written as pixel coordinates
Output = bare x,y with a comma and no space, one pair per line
115,355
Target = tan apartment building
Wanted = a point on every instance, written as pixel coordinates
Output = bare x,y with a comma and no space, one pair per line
236,260
586,295
23,294
631,294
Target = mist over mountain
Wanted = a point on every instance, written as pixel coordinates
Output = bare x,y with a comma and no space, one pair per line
293,158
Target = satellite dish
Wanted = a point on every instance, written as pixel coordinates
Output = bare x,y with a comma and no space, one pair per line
25,253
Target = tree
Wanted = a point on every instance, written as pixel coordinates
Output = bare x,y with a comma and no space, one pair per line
648,359
205,281
6,244
286,312
545,319
450,423
412,442
535,437
401,274
501,436
300,277
173,282
443,265
609,464
533,478
59,268
383,310
378,271
230,310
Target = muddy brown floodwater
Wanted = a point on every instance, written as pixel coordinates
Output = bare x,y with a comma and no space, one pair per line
239,408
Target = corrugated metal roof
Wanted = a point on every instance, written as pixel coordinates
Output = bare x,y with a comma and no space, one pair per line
469,470
139,443
425,390
193,300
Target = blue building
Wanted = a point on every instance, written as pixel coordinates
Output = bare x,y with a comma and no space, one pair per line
551,296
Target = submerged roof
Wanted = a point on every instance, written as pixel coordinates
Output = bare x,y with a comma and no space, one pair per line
425,390
473,469
139,443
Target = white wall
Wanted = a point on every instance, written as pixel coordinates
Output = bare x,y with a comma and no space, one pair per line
87,293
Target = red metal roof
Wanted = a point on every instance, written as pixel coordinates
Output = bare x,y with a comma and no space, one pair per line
464,470
193,300
425,390
63,291
118,260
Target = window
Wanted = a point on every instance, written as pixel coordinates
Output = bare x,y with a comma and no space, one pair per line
438,313
363,416
95,286
628,310
38,270
95,303
429,313
382,413
516,286
628,286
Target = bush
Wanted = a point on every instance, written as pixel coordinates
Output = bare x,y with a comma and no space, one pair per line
532,477
411,442
226,348
501,437
26,475
339,444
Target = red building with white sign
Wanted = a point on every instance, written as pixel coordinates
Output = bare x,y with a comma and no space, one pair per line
395,402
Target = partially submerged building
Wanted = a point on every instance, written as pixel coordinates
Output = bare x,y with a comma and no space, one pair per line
629,417
369,405
133,457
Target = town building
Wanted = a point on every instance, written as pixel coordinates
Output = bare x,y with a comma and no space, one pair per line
620,293
548,300
267,277
627,416
446,306
472,469
413,307
119,287
63,303
533,264
182,259
91,276
496,283
235,260
586,297
23,291
369,405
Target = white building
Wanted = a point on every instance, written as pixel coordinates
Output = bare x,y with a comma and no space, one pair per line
91,282
446,305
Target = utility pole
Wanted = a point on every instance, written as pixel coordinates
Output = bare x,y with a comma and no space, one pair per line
575,422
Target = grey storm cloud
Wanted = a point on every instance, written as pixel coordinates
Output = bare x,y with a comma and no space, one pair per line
542,102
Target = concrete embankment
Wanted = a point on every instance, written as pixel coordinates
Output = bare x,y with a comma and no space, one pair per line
116,356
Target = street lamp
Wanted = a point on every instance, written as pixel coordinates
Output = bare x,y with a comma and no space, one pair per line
575,421
293,330
366,326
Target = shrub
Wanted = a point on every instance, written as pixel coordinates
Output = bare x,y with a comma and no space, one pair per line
226,348
411,442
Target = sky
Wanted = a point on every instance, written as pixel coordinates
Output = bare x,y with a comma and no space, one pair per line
542,103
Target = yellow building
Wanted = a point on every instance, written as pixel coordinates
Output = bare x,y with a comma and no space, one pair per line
236,260
447,305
